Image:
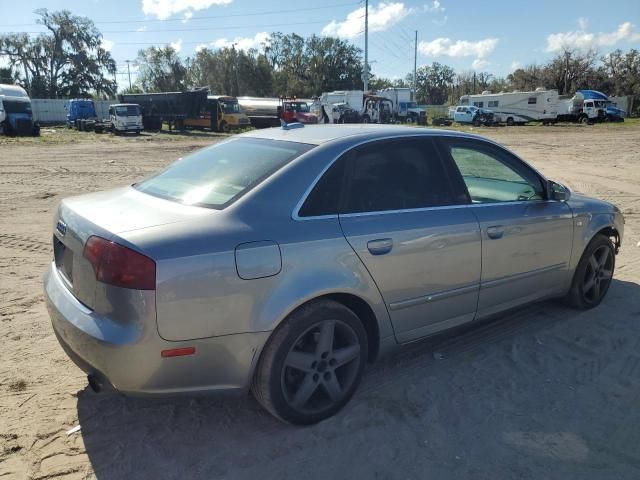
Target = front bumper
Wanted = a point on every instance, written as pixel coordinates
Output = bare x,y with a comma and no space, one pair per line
128,128
129,359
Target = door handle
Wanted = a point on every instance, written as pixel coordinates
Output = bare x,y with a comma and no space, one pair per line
495,232
380,246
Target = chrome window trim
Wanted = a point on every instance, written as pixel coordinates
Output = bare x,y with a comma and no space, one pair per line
296,210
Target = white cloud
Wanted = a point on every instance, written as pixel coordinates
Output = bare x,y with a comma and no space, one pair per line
187,16
107,44
460,48
241,43
382,17
177,45
479,63
515,65
583,40
442,22
143,28
434,7
163,9
583,23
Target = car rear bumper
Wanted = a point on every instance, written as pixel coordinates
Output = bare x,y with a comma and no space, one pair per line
129,357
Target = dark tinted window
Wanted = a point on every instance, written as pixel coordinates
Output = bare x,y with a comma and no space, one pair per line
396,175
324,199
532,100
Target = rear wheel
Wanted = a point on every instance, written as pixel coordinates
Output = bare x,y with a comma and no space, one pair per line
510,122
312,364
593,275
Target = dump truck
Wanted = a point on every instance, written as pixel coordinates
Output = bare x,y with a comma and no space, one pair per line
170,107
405,109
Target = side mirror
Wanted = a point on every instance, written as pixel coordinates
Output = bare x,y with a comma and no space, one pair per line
558,192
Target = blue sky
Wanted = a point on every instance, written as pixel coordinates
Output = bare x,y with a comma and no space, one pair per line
489,35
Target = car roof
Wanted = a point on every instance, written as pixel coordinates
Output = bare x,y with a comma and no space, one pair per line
319,134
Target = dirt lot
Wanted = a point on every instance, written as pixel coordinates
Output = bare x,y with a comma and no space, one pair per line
546,392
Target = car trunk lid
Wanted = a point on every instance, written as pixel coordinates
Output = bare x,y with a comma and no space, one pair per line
105,214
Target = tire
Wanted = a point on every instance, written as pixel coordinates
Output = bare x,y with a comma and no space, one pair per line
583,120
593,275
510,122
366,119
476,122
318,386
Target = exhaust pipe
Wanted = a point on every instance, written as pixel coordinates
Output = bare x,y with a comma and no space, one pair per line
94,383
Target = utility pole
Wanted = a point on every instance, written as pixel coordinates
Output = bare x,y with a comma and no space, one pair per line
415,65
365,75
474,83
129,72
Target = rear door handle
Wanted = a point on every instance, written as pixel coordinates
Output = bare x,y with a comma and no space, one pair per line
380,246
495,232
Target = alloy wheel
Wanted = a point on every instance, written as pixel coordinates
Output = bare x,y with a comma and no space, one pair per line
598,274
321,366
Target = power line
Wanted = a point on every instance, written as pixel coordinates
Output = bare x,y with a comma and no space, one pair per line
227,27
207,17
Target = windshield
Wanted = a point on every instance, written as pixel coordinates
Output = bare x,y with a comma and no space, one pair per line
230,107
128,111
12,106
296,107
216,176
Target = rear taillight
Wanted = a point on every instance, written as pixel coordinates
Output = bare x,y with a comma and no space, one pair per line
120,266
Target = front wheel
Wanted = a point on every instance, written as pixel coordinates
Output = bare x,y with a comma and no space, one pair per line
510,122
312,364
593,275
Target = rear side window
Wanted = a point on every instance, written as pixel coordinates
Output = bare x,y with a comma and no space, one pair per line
324,199
216,176
396,175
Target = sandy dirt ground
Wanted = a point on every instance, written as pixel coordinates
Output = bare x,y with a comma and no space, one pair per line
545,392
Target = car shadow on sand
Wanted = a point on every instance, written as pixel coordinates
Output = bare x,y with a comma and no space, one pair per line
542,389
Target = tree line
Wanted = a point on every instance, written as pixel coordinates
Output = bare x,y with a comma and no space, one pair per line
70,60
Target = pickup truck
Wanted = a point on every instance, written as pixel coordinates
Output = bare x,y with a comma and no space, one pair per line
474,115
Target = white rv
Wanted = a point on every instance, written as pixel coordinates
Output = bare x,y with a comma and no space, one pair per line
517,107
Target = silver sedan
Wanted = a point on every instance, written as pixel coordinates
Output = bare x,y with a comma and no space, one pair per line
282,261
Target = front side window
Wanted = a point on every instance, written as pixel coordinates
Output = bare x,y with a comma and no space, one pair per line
216,176
492,175
396,175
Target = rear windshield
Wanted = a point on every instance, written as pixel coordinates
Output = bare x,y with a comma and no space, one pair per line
217,175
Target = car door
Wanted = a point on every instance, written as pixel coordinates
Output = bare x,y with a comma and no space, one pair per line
413,232
526,238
